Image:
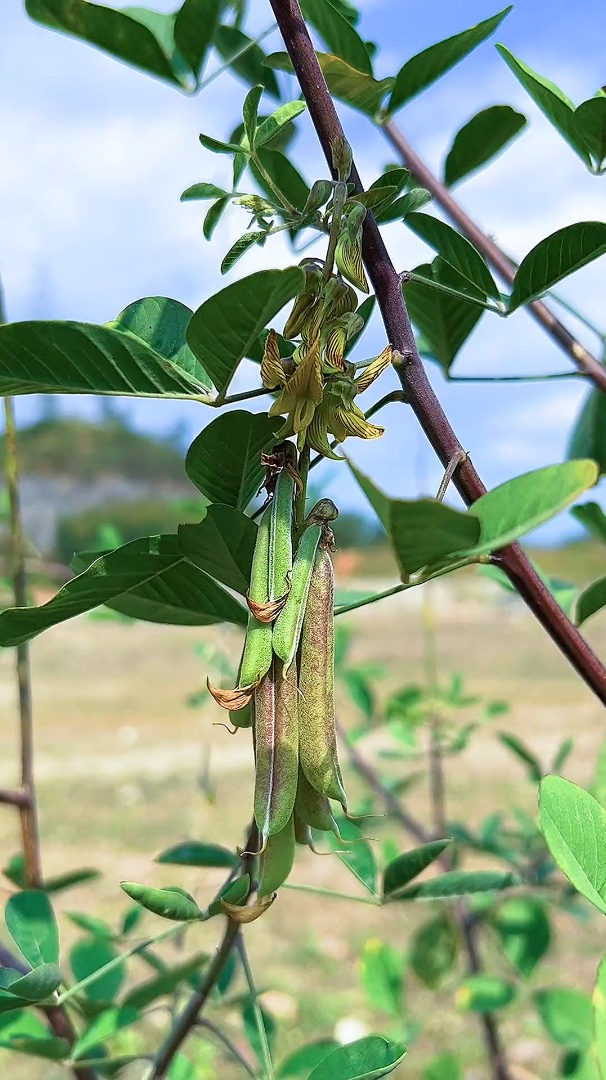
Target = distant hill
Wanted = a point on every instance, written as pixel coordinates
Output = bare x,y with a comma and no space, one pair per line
70,466
85,450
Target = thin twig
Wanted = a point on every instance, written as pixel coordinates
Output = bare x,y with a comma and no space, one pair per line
209,1025
268,1069
189,1016
409,367
28,814
577,352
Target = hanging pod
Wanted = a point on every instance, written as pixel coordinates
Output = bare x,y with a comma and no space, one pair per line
276,861
287,627
276,749
313,809
318,755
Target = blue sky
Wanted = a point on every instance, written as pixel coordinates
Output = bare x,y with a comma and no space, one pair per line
95,155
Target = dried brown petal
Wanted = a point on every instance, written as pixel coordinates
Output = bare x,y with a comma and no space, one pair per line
267,612
247,914
232,700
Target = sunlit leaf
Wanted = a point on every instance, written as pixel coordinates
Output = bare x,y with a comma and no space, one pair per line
480,140
170,902
223,329
567,1017
357,88
365,1059
426,67
224,460
456,250
555,258
574,826
31,923
484,993
337,33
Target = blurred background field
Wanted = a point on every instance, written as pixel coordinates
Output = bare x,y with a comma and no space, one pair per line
131,758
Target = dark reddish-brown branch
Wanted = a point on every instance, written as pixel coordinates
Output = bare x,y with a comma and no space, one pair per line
577,352
412,375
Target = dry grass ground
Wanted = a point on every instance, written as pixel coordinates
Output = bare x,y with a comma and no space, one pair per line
120,756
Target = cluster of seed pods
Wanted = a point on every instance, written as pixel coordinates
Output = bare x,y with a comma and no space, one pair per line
286,681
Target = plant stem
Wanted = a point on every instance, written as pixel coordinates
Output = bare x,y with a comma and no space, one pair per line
329,892
577,352
301,496
28,812
246,395
268,1068
518,378
410,370
203,1022
189,1016
282,200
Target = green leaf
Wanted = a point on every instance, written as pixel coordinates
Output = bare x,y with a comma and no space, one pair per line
567,1017
458,883
217,146
413,200
224,461
521,504
59,882
433,950
250,110
162,324
590,119
426,67
285,176
410,864
552,101
213,216
574,827
88,957
223,329
305,1058
195,25
357,854
591,600
53,1049
250,65
456,250
588,439
222,545
270,127
337,33
243,244
555,258
381,975
170,902
30,921
443,1067
38,984
165,983
114,32
80,358
445,321
148,578
598,1002
356,88
365,1059
535,772
591,516
523,926
91,924
103,1027
422,531
480,140
484,993
197,853
203,191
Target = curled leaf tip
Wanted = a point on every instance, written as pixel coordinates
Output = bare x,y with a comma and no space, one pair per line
232,700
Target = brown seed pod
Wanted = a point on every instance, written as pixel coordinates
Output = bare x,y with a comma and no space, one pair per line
276,749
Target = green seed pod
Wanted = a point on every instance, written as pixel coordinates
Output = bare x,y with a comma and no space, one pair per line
276,749
313,808
318,756
302,832
287,627
277,860
257,654
243,717
280,537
